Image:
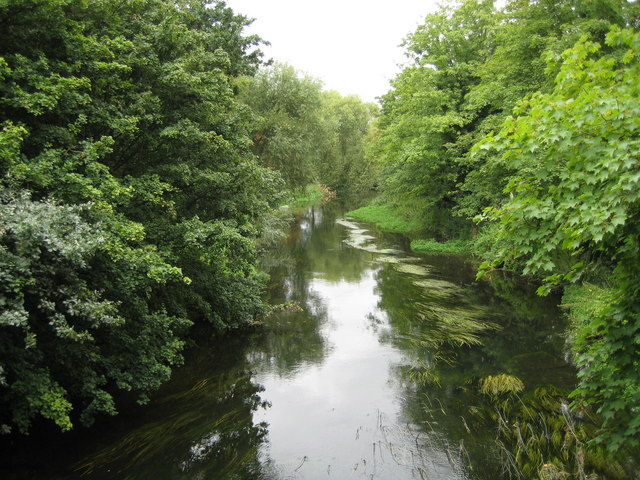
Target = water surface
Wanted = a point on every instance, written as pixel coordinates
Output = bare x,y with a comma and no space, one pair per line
375,377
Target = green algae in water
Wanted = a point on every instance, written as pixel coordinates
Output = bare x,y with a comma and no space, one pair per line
389,259
347,223
454,326
390,251
362,242
438,288
436,284
419,270
359,238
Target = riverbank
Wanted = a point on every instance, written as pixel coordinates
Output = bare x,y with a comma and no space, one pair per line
387,218
401,359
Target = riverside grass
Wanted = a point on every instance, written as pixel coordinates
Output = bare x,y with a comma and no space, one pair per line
433,247
310,195
387,218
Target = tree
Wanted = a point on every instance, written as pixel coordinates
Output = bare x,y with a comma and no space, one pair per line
305,134
426,125
574,202
470,63
287,107
529,32
344,166
130,201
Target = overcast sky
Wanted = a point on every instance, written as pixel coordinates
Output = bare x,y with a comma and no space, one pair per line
352,46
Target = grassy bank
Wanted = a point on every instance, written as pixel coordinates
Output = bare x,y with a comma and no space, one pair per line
312,195
387,218
433,247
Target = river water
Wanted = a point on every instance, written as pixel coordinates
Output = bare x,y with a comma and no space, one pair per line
372,373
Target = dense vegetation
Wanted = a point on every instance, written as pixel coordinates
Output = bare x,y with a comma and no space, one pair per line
145,149
519,127
308,134
131,195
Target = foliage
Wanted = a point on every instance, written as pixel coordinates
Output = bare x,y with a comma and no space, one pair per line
344,166
469,65
574,198
308,135
585,302
287,108
314,195
425,125
576,182
130,202
540,438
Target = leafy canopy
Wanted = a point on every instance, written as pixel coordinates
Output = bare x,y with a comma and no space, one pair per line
575,197
129,200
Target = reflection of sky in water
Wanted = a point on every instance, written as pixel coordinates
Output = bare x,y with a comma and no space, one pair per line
200,450
340,418
342,402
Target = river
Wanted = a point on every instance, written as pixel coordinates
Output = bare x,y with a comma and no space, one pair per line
372,373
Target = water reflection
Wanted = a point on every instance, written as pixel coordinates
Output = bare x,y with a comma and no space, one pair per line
406,341
375,378
328,418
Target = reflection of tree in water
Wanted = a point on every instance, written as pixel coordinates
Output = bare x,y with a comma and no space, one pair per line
199,425
314,245
455,335
530,342
323,252
288,341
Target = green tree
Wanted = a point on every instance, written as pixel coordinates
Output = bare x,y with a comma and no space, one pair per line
530,32
425,127
344,166
287,106
130,200
470,64
306,134
574,202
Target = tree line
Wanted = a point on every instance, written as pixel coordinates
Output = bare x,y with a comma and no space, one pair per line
517,128
145,148
144,153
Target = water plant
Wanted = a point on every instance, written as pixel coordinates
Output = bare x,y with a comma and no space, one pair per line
538,437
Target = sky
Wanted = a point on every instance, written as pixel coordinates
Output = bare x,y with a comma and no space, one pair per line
352,46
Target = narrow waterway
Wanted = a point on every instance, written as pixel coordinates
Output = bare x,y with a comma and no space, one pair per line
372,372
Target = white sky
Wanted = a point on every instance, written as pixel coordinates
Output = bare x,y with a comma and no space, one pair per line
352,46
